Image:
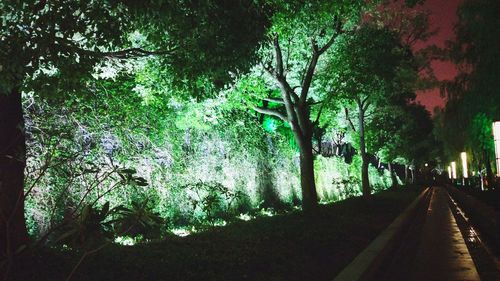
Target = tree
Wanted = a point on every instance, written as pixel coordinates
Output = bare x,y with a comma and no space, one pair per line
308,31
472,96
37,38
370,69
402,134
53,47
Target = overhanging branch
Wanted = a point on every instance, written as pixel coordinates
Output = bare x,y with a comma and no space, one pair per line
274,100
270,112
120,54
126,53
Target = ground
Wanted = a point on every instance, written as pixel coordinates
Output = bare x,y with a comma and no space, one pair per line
285,247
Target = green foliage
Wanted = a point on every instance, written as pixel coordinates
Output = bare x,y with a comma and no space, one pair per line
167,138
213,200
137,220
402,134
89,229
370,64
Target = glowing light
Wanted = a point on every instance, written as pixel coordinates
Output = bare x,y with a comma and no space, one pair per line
449,172
245,217
463,156
181,232
267,212
426,165
125,241
220,223
270,125
496,137
454,170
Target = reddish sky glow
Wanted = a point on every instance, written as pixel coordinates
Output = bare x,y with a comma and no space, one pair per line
443,17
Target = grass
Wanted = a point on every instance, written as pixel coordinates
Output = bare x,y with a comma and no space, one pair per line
284,247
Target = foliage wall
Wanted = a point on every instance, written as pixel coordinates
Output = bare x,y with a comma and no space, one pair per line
193,163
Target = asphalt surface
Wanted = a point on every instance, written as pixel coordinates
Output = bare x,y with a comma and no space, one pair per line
433,247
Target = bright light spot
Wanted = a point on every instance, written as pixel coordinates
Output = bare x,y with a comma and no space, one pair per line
245,217
426,165
220,223
449,172
270,125
454,170
463,156
125,241
182,232
267,212
496,137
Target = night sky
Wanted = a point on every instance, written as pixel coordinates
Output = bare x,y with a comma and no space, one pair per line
443,17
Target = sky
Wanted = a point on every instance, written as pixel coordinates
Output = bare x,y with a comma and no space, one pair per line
443,17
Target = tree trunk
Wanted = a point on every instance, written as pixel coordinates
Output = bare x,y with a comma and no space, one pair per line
393,176
406,174
13,232
489,171
308,186
365,180
412,175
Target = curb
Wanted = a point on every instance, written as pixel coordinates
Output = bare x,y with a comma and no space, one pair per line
366,263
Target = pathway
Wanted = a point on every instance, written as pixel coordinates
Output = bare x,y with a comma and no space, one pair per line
433,249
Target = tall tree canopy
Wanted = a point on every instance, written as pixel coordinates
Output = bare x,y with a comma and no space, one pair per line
371,70
53,47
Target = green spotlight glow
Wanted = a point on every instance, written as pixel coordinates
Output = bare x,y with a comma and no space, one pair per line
270,125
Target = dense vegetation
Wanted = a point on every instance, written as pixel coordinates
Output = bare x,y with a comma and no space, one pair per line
126,122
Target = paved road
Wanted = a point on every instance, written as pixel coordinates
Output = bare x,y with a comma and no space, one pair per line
433,249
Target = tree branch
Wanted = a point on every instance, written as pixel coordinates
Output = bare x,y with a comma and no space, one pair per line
317,52
274,100
323,103
338,31
279,57
349,119
127,53
120,54
271,112
306,83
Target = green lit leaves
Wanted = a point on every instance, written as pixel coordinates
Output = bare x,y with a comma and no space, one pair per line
129,176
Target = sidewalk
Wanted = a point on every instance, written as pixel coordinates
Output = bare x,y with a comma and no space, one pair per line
442,253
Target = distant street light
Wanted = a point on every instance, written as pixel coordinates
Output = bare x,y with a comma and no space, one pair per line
496,137
449,172
463,156
454,170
